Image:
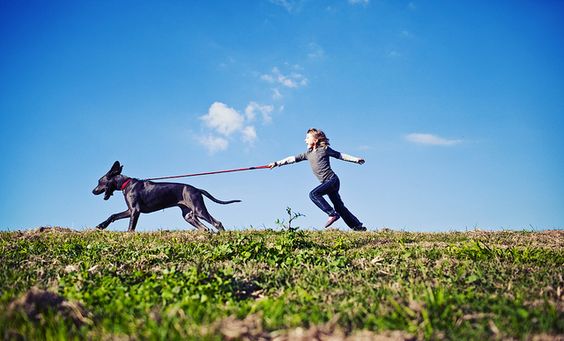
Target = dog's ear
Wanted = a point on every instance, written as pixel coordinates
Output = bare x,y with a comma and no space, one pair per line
116,169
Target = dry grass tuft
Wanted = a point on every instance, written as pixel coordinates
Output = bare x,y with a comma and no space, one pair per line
36,303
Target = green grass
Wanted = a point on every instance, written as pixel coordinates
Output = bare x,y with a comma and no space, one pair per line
183,285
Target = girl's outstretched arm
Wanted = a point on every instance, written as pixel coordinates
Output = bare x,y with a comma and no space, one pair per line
287,161
350,158
346,157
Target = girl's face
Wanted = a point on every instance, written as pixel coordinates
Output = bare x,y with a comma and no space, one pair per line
310,141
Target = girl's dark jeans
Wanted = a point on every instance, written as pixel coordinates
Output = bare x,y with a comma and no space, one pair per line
331,189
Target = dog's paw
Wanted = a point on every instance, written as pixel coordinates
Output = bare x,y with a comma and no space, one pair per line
101,226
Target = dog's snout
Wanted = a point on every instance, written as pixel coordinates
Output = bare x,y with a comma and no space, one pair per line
97,191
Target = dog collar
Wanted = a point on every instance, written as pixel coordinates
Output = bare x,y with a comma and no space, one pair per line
125,184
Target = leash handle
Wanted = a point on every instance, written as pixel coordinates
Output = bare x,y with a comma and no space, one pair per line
209,173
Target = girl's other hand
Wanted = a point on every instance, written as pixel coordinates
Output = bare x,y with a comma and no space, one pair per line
361,161
272,165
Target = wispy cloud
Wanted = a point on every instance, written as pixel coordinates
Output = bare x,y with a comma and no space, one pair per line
213,143
359,2
289,5
265,110
249,134
394,54
292,80
315,51
406,34
276,94
430,139
229,61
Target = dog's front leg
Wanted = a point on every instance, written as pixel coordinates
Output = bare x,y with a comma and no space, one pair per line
112,218
133,220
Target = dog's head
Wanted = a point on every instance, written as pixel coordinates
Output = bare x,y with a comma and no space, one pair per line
107,183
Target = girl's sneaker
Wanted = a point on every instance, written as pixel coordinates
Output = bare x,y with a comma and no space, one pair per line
331,220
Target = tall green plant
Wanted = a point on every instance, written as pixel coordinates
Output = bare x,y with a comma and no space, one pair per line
291,217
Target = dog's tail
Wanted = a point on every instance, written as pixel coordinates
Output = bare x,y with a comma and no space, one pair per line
217,200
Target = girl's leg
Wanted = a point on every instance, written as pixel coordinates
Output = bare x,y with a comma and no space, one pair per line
344,212
316,195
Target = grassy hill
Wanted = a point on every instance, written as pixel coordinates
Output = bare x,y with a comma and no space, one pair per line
61,284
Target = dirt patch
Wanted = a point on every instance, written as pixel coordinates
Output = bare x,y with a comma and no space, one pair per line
323,334
51,229
251,328
36,302
547,337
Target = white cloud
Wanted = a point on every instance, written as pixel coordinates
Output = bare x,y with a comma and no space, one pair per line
267,78
430,139
289,5
229,61
223,122
293,80
359,2
276,95
406,34
264,110
411,6
249,134
223,119
331,9
213,143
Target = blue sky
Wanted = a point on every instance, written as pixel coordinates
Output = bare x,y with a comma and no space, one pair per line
457,107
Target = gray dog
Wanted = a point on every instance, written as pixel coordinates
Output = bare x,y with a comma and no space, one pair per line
142,196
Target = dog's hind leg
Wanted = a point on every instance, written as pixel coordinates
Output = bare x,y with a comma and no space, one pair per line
196,222
112,218
189,216
202,212
207,217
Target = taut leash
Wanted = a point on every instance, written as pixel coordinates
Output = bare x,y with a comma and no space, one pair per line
208,173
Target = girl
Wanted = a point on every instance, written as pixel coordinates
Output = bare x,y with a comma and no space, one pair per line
318,154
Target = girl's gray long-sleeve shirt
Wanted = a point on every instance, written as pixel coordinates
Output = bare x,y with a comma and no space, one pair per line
319,160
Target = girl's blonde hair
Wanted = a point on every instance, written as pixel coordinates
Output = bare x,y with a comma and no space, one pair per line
319,135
